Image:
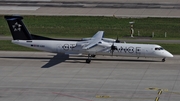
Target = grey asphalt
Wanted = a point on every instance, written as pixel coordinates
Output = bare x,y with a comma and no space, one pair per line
41,76
91,4
117,8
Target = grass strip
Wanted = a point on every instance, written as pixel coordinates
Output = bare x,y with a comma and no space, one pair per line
87,26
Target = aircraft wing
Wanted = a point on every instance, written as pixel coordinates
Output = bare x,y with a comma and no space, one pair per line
95,40
101,47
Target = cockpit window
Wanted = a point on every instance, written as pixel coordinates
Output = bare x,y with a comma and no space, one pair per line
159,48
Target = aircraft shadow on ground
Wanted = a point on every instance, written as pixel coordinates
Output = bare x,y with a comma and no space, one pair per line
59,58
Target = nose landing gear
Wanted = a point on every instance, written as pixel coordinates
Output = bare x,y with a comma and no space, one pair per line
164,59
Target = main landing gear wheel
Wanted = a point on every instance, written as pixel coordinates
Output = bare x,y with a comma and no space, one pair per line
88,60
163,60
93,55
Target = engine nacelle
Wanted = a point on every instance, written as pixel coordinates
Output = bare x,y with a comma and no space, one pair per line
109,40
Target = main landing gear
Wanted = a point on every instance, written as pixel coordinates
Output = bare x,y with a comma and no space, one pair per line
89,59
164,59
93,55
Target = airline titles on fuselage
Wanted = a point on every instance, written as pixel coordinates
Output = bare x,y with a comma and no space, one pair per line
121,49
68,46
130,49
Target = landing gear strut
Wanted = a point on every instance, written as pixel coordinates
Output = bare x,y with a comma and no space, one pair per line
164,59
93,55
89,59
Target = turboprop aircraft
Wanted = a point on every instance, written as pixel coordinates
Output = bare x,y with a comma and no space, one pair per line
97,45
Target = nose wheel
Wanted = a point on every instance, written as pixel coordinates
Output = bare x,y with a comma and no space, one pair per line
164,59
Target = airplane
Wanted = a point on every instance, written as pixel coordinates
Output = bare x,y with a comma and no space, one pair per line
96,45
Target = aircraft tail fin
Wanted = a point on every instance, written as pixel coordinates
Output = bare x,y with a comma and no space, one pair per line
17,28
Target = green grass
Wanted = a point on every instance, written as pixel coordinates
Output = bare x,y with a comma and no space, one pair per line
6,45
86,26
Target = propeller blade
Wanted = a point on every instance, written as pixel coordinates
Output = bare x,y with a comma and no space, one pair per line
113,48
117,39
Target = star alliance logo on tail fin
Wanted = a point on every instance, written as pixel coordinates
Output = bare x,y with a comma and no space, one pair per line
16,27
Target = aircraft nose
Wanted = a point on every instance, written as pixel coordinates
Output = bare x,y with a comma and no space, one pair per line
168,54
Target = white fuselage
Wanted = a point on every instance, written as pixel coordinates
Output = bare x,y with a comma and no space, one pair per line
72,47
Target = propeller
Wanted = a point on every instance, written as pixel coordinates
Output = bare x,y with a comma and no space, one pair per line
113,48
117,39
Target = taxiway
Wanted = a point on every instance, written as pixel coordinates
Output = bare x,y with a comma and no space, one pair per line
46,77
